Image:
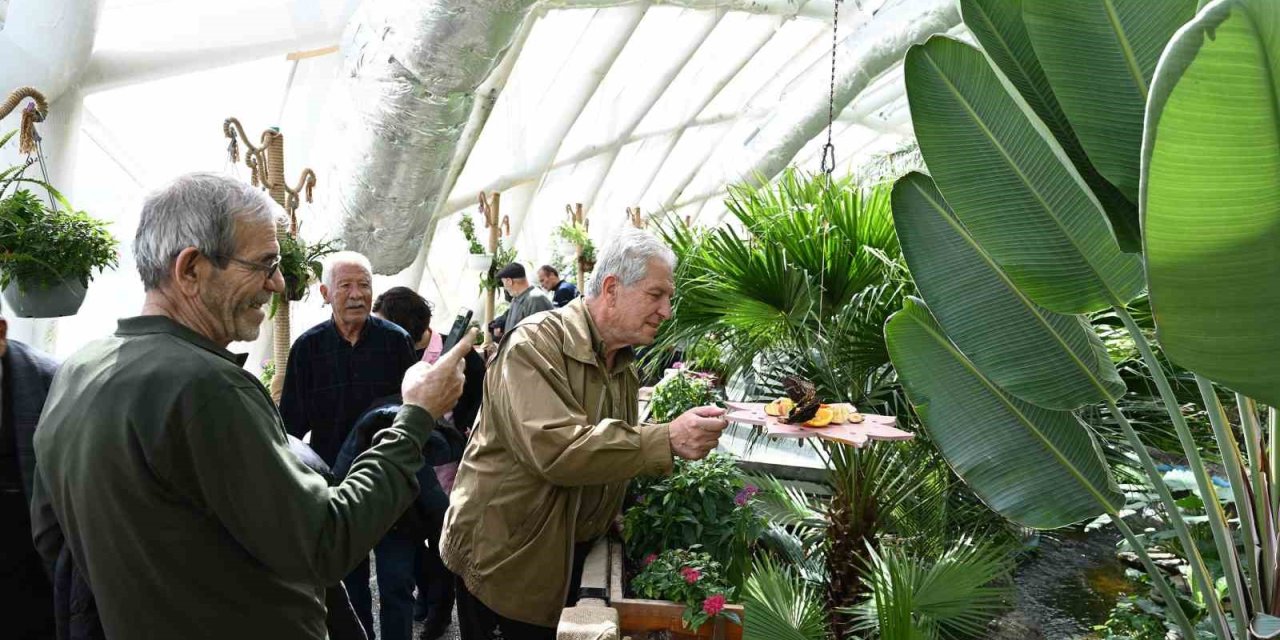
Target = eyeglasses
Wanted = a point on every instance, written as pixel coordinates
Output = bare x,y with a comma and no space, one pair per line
270,268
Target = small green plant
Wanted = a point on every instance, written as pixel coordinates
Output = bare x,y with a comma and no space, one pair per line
300,263
1134,618
689,577
678,394
503,257
577,236
468,227
268,372
42,246
706,503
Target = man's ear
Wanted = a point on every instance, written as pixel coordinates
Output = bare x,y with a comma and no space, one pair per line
189,270
324,293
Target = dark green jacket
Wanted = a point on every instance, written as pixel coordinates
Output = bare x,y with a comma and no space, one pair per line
165,466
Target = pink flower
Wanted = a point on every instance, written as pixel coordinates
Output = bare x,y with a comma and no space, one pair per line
650,559
713,605
745,495
690,574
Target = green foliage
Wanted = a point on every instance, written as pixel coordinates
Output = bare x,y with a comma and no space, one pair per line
42,247
268,372
783,605
1133,618
576,235
504,256
706,503
689,577
301,264
678,394
927,598
468,227
806,289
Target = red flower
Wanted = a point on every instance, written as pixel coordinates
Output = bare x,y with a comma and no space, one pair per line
690,574
650,559
713,605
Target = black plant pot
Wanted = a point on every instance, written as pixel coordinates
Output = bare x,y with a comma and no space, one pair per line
294,289
35,301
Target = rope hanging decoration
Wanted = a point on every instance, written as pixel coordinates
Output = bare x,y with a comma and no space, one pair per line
36,111
266,170
829,161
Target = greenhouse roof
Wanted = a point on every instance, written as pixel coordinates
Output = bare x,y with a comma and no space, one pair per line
613,104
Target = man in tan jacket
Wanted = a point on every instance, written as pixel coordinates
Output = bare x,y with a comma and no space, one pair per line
557,441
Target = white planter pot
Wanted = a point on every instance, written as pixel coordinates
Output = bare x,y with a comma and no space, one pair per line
479,261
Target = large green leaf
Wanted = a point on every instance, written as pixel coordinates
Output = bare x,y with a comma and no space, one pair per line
1037,467
1212,197
999,28
1099,55
1049,359
1011,183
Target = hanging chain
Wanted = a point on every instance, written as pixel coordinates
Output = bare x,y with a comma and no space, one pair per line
829,149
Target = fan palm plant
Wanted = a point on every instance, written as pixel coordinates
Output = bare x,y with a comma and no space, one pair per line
807,286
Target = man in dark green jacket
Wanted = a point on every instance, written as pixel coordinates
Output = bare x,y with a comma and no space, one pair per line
165,466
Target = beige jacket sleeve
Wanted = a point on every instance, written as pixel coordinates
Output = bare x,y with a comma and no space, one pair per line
550,432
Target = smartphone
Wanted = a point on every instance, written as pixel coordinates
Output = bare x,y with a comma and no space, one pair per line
460,326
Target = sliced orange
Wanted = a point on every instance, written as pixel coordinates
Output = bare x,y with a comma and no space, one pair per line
773,408
822,418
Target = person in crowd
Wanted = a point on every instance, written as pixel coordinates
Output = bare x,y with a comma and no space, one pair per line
25,376
558,440
399,553
340,366
177,493
525,299
434,603
403,307
562,292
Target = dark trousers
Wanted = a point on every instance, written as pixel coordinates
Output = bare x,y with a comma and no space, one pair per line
395,558
24,585
478,622
435,587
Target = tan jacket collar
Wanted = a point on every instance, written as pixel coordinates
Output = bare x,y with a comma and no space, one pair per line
582,341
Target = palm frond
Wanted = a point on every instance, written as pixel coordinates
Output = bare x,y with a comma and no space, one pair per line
783,606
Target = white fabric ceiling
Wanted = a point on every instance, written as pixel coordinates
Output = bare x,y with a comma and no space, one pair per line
640,103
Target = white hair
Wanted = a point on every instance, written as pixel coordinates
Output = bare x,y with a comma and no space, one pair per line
627,257
340,258
199,210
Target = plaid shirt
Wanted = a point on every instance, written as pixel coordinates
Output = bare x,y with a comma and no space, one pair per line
329,382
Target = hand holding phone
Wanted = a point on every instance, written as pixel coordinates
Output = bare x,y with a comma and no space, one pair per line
460,325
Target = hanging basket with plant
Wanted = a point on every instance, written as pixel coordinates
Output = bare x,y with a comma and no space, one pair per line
575,236
477,259
301,265
48,254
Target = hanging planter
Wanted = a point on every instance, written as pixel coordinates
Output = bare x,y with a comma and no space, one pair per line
479,262
301,264
41,301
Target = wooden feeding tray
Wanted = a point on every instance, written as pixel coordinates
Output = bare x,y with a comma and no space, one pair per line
872,427
640,616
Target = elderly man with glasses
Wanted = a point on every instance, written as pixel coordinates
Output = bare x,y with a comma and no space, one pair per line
165,468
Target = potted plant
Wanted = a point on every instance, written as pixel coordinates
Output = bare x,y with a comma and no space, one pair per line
477,259
489,281
301,265
575,240
682,592
48,253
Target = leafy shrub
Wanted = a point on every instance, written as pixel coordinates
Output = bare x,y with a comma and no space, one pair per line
42,247
689,577
706,503
678,394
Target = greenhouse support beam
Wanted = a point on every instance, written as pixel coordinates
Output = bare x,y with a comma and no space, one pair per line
815,9
863,57
47,43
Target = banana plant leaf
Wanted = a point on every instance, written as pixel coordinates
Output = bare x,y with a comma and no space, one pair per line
1011,183
1099,56
1211,214
1048,359
999,27
1037,467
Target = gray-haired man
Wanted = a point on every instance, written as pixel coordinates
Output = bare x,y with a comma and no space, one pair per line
167,465
558,440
